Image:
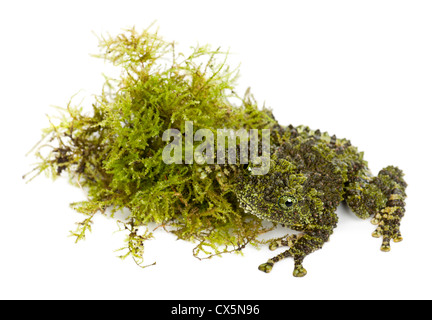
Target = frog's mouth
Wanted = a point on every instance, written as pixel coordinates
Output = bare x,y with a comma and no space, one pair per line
247,207
251,209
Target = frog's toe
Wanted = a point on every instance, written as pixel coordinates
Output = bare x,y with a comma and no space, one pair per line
385,246
299,271
274,245
266,267
397,237
387,233
378,233
287,241
277,243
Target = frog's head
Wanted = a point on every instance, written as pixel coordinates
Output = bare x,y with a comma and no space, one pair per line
281,195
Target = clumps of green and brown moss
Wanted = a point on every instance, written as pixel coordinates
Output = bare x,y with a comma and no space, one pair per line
114,152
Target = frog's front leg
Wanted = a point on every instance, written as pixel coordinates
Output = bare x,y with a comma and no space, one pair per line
362,196
268,266
301,246
286,241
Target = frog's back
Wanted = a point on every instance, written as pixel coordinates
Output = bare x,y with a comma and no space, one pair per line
339,151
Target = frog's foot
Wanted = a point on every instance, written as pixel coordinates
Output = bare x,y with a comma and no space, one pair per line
286,241
299,271
300,246
388,220
268,266
360,194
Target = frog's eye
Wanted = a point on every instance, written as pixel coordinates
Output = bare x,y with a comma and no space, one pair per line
286,202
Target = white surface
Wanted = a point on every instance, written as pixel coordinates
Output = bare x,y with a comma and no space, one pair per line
359,69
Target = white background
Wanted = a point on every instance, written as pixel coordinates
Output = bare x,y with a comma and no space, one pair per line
359,69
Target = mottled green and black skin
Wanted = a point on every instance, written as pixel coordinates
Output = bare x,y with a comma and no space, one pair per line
310,174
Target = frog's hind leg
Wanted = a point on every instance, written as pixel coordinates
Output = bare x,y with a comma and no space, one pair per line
390,181
361,194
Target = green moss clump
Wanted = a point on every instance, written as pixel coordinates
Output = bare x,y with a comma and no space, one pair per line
114,152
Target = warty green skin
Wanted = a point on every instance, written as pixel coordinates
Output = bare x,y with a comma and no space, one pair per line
310,174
